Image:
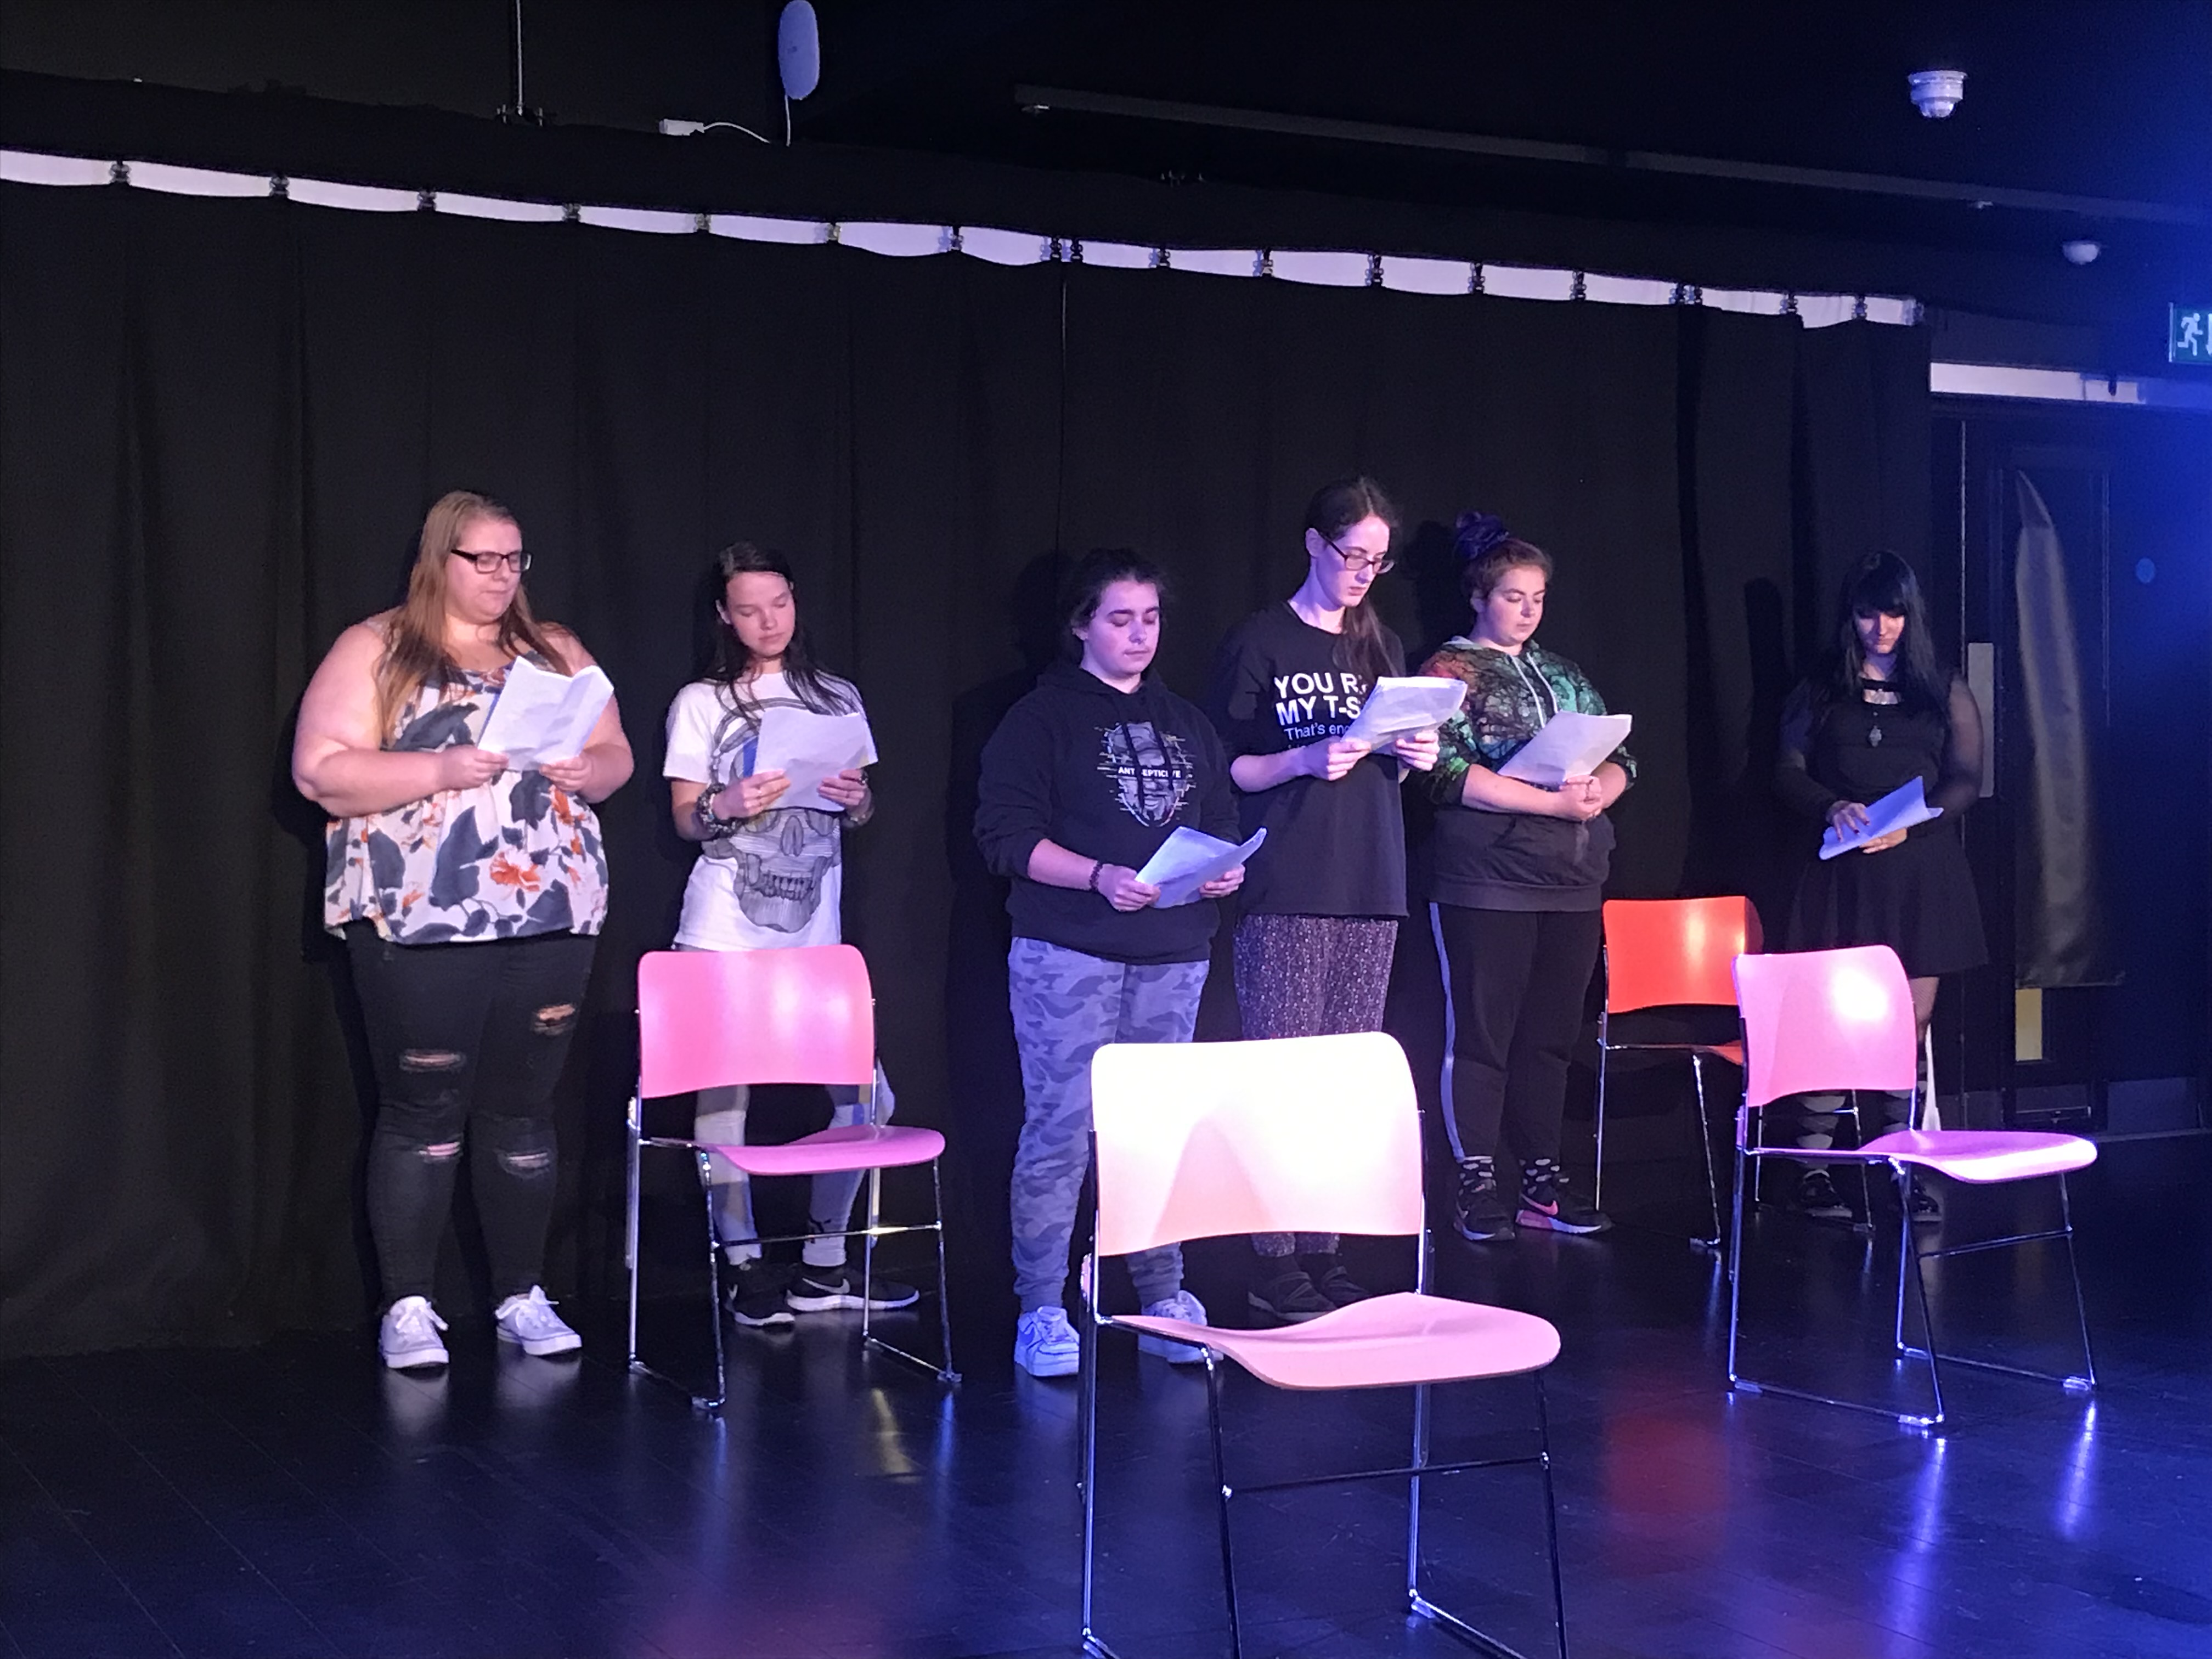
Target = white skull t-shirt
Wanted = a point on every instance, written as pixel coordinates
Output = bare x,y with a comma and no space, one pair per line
776,879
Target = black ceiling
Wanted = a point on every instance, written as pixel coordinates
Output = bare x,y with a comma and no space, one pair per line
2109,101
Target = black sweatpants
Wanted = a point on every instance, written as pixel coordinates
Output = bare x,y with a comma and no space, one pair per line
1517,980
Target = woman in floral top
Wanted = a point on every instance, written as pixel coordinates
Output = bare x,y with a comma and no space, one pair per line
469,895
1518,881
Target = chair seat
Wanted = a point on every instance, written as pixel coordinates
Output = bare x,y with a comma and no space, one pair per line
1985,1156
862,1146
1386,1341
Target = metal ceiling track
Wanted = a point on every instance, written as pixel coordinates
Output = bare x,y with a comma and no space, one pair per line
1046,99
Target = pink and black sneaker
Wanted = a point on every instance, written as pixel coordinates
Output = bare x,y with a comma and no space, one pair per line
1546,1200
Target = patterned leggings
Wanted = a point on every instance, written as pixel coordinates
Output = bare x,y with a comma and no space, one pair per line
1310,976
1068,1006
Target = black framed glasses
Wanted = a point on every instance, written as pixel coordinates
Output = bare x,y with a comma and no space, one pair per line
1355,561
489,564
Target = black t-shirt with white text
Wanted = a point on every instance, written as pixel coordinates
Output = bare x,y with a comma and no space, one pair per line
1333,849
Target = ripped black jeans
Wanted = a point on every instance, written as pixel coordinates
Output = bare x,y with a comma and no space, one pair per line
468,1041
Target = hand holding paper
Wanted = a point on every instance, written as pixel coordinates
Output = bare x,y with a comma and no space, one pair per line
1896,812
808,748
1189,858
1569,745
1416,703
544,716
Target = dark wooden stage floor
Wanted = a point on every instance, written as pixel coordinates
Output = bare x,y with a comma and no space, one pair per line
295,1500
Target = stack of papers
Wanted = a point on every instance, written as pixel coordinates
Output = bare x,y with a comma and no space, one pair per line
542,716
1900,809
1413,702
1188,859
1569,746
807,747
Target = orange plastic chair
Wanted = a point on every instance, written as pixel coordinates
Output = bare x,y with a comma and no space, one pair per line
1662,953
708,1018
1818,1021
1298,1134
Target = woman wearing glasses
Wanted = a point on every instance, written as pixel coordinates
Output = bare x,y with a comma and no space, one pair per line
1518,881
770,876
1319,914
469,895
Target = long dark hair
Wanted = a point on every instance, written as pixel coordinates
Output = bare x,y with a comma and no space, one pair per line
732,664
1334,508
1882,583
1086,585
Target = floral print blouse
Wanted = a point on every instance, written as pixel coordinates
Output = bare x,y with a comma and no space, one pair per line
505,860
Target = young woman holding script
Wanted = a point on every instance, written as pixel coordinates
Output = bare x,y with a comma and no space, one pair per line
1879,713
1083,780
1518,881
469,894
770,875
1319,916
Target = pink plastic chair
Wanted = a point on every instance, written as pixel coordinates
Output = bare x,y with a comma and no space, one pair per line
1300,1134
1819,1021
1663,953
709,1018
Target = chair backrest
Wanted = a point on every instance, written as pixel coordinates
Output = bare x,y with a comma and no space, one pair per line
1817,1021
707,1018
1670,952
1298,1134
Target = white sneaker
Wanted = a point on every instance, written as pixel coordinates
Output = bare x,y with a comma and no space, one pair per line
530,1320
408,1335
1181,1305
1046,1345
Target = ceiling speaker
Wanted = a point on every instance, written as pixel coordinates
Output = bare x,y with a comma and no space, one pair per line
798,49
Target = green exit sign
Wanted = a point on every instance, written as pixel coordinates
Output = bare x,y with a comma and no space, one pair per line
2189,334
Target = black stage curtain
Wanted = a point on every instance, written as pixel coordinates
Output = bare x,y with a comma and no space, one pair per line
221,421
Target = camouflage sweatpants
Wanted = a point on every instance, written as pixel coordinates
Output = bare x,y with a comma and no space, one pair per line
1066,1005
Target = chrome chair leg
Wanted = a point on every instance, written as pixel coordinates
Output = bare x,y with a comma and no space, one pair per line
1911,1250
1087,1451
2087,1382
721,1388
1551,1515
946,1373
868,1252
1597,1183
629,1222
1704,1133
1743,1177
1222,1495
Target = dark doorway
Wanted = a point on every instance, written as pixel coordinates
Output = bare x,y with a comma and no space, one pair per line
2078,594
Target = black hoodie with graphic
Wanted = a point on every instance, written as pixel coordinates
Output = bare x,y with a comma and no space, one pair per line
1108,774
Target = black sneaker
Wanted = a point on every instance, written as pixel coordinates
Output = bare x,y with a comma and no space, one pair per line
1818,1198
754,1293
819,1290
1289,1297
1926,1211
1478,1211
1336,1286
1547,1201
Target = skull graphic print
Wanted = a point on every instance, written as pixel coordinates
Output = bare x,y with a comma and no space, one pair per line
1150,770
775,879
776,862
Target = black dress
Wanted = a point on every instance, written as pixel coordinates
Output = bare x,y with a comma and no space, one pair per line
1917,897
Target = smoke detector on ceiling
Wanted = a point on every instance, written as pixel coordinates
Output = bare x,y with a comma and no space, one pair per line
1936,92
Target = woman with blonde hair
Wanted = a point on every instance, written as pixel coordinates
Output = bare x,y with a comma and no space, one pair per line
469,894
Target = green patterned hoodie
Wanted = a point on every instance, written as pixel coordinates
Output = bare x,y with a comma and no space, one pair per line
1511,860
